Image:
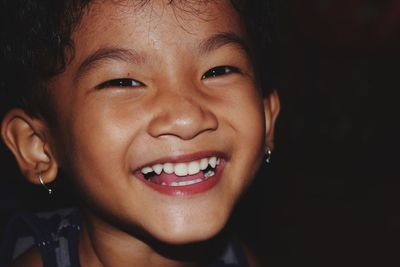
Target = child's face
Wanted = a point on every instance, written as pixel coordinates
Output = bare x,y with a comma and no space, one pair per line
170,108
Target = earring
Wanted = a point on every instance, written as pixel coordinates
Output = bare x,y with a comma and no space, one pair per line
268,154
49,190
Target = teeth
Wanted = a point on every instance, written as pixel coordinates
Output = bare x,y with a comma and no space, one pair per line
183,183
209,174
213,162
183,169
168,168
203,164
158,168
146,170
193,167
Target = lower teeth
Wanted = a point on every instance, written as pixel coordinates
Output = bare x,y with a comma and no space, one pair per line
183,183
209,174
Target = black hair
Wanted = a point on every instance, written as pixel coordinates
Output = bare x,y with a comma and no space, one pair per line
35,39
260,24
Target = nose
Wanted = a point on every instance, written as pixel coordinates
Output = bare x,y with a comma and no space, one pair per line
181,116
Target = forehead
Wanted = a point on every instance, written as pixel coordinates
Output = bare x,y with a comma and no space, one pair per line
107,23
188,13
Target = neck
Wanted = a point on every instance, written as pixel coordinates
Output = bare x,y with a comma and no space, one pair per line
104,245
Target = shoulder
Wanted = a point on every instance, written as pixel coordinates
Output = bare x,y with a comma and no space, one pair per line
237,253
30,236
252,259
30,258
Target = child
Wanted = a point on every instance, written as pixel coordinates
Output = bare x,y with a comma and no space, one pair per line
155,111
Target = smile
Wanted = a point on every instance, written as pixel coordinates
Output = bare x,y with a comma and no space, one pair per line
185,175
164,174
181,174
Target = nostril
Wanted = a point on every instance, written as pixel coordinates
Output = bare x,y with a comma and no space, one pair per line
185,122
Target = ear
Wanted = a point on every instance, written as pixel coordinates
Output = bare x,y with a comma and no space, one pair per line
29,140
272,108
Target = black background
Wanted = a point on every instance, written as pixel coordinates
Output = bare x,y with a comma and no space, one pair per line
331,195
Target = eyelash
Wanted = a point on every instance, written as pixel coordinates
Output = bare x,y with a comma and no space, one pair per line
220,70
125,82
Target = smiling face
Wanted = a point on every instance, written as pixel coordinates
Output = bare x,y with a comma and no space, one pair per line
162,123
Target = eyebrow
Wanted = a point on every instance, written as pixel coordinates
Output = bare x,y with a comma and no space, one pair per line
131,56
108,53
220,39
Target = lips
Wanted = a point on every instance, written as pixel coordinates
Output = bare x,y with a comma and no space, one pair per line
183,175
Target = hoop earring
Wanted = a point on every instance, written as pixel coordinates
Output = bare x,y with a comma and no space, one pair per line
268,154
49,190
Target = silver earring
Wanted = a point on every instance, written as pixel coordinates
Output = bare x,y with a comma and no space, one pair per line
49,190
268,154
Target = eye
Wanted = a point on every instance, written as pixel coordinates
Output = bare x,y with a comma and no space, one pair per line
120,83
220,70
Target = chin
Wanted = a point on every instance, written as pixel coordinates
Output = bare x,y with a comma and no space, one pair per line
188,234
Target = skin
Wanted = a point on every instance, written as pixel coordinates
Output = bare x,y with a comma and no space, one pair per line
105,132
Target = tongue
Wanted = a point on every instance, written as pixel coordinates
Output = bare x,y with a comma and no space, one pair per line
169,178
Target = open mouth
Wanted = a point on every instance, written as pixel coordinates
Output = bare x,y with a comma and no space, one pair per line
181,174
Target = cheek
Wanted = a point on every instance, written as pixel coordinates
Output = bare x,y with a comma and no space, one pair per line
245,116
96,153
97,140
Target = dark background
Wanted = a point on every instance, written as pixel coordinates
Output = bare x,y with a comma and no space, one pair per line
330,196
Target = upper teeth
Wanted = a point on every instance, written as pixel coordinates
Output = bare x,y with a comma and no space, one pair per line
182,169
